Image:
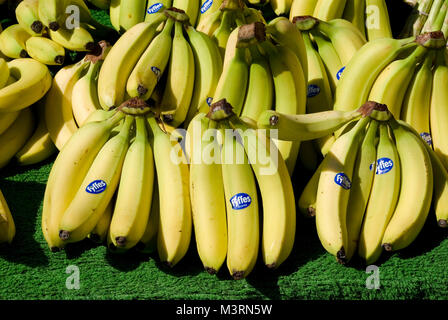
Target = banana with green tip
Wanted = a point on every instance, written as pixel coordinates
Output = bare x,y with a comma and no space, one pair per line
33,82
15,137
302,8
208,69
179,86
7,225
417,185
45,50
222,33
72,164
208,206
281,7
240,189
97,188
58,108
383,197
151,65
27,15
175,222
114,14
328,10
12,41
133,204
363,175
377,20
39,146
334,191
391,84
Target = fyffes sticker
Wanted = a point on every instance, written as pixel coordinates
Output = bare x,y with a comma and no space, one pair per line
313,90
96,187
209,101
240,201
342,180
157,72
206,5
155,8
383,165
427,137
339,74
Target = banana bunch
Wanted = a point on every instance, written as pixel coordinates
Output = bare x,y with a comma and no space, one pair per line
426,16
235,171
73,96
222,25
368,194
263,71
167,62
115,181
370,17
7,226
23,134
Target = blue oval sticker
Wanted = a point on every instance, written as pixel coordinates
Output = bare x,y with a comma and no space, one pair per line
313,91
384,165
157,72
209,101
339,74
240,201
155,8
427,137
206,5
96,187
342,180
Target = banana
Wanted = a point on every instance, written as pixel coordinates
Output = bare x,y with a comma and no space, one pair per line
191,8
15,137
114,14
304,127
208,69
7,225
377,20
417,101
279,210
328,10
72,164
151,65
232,84
440,176
416,191
12,41
260,89
78,39
148,242
334,191
281,7
208,204
97,188
391,84
4,73
206,8
346,40
360,73
45,50
290,93
27,16
319,94
363,174
180,82
7,119
287,34
58,108
134,196
175,224
34,80
240,191
330,60
354,12
50,13
85,95
222,33
120,62
101,230
383,198
131,13
438,114
209,24
39,146
302,8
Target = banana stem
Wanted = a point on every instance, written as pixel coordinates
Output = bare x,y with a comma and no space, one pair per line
438,22
444,27
435,9
423,9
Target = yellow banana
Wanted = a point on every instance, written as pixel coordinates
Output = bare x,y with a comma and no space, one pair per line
302,8
377,20
328,10
45,50
7,225
27,16
12,41
99,233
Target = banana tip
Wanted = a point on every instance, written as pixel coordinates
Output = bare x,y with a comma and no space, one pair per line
64,235
55,249
54,26
387,246
442,223
210,270
341,256
272,265
273,120
37,26
121,241
238,275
